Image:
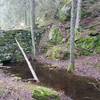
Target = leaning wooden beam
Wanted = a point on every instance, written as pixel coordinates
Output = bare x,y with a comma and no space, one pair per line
28,62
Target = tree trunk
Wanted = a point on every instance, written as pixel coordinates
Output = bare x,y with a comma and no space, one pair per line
72,36
25,12
25,16
78,14
32,22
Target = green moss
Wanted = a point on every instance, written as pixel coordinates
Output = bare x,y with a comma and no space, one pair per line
43,93
9,48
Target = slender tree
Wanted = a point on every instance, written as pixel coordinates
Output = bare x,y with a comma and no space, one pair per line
25,12
72,36
78,14
32,22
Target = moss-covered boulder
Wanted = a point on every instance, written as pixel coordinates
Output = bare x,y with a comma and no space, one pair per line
8,47
43,93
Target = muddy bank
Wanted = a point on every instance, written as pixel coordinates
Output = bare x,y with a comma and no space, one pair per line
13,88
76,86
88,66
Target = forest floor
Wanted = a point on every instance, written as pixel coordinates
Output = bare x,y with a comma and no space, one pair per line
85,66
13,88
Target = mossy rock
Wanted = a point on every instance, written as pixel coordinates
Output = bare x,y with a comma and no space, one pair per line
43,93
9,48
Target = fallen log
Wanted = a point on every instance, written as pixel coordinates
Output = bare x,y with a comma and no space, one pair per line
28,62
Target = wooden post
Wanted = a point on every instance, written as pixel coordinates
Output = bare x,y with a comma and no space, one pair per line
28,62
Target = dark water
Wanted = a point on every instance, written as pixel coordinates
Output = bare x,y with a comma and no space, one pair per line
76,87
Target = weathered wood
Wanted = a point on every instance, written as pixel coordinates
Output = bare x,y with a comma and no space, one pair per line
28,62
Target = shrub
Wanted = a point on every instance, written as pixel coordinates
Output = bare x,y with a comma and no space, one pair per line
55,36
88,46
54,53
57,53
85,14
64,13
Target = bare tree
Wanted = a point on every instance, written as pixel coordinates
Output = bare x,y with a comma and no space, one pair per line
72,36
32,22
78,14
25,12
